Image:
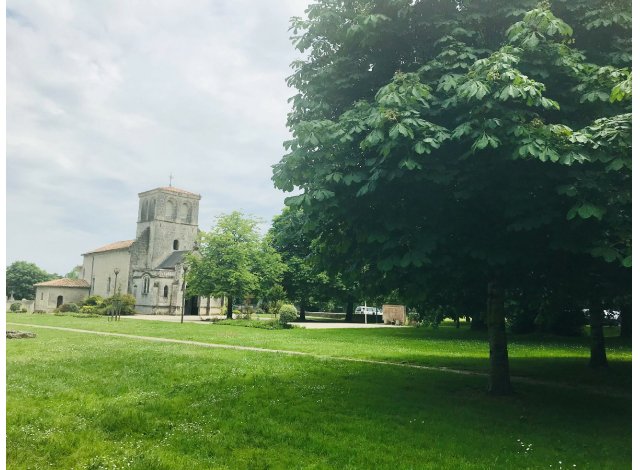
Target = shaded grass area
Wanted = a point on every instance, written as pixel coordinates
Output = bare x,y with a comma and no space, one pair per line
542,358
88,402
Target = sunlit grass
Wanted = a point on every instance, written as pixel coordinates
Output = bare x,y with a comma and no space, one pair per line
89,402
540,358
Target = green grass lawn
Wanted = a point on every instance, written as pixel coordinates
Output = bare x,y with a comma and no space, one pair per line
80,401
555,359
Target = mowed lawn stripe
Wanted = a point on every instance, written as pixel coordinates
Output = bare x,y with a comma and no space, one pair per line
517,379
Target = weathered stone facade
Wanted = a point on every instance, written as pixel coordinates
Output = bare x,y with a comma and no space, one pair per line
51,294
151,267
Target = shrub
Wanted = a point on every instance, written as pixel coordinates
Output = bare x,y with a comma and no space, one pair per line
126,303
93,300
15,307
92,309
69,308
521,321
262,324
288,313
414,318
564,322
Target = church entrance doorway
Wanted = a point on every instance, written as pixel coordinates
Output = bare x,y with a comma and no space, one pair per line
59,301
191,306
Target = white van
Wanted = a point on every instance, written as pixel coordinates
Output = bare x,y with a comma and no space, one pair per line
361,309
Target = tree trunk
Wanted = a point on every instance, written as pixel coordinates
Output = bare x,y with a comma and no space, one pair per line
229,308
456,320
303,311
625,321
598,353
349,317
499,379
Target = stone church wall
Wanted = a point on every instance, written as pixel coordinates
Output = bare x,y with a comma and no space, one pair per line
98,271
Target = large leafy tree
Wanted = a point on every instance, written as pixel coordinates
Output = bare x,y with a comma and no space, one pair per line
303,281
22,275
233,261
477,143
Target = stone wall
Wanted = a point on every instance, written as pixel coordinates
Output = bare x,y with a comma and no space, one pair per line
395,314
98,269
28,305
47,296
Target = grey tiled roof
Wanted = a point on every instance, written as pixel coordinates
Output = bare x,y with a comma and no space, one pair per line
174,258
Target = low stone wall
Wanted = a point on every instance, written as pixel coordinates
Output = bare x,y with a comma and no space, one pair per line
28,305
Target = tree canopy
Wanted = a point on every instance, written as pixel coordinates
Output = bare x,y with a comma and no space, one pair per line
460,143
22,275
233,261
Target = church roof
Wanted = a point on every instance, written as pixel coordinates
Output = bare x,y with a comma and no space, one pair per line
64,283
112,246
171,189
174,258
177,190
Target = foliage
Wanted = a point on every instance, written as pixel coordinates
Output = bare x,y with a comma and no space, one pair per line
74,273
261,324
93,301
22,275
70,307
303,281
91,309
233,261
16,307
125,303
273,299
287,313
441,147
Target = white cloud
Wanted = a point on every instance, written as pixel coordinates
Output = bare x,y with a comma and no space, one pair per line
105,99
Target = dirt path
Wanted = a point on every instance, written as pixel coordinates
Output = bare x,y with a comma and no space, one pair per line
525,380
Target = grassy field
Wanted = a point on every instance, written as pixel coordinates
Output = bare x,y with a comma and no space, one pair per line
81,401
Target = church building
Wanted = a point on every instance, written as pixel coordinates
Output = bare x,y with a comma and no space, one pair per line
151,267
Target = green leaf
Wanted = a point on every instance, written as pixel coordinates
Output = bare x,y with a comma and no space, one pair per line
322,194
589,210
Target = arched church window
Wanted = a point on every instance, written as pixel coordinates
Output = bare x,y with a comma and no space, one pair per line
144,213
146,281
152,209
170,210
176,244
184,213
166,292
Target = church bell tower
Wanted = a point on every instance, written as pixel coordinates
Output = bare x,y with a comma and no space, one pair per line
168,222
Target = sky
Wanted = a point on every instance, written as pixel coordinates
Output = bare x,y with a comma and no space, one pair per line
107,99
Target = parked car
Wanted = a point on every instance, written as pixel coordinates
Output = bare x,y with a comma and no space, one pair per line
361,309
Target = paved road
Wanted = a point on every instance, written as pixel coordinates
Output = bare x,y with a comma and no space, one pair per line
172,318
309,325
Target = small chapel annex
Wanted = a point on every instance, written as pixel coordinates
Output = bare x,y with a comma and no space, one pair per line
150,267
